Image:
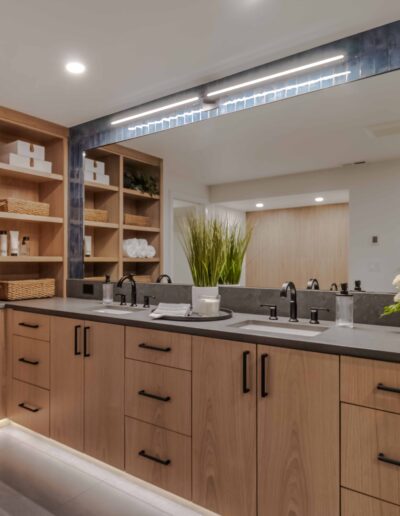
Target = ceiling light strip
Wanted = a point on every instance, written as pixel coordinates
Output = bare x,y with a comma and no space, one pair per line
277,75
156,110
168,119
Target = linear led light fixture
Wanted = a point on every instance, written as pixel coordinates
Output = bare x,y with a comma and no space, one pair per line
291,71
169,119
156,110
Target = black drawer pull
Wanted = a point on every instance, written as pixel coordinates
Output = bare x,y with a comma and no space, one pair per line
26,407
383,387
76,340
154,396
166,462
246,389
382,457
154,348
30,362
27,325
86,341
264,367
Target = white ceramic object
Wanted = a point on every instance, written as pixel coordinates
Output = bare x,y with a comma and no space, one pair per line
91,165
198,292
88,245
23,161
89,176
103,179
30,150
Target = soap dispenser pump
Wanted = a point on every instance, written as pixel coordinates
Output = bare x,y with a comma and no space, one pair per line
108,291
344,307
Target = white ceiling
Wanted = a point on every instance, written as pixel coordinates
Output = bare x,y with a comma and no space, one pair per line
315,131
138,51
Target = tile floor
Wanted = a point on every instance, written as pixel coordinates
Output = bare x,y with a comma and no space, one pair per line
41,478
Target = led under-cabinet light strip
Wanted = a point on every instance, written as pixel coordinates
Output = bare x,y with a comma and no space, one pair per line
277,75
169,119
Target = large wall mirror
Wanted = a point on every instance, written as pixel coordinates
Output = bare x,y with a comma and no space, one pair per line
317,177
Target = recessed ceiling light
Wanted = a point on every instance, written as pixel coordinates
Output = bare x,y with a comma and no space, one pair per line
259,205
319,199
75,67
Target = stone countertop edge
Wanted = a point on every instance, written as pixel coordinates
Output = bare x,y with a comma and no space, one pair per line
366,341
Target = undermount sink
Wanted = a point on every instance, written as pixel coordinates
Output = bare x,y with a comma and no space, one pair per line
300,330
117,309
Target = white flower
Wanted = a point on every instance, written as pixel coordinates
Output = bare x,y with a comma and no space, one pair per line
397,298
396,281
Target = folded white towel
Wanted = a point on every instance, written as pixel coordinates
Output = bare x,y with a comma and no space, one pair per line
170,310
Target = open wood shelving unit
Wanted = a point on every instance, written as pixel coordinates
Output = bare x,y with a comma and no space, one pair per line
48,234
107,237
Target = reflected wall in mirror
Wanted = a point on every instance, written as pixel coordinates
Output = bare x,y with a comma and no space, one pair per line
318,176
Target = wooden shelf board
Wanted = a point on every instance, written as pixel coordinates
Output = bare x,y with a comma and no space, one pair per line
139,195
31,259
90,186
29,218
141,260
101,259
144,229
104,225
29,175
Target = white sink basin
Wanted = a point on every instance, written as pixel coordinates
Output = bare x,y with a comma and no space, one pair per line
299,330
121,310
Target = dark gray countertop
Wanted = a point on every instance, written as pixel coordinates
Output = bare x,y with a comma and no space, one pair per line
382,343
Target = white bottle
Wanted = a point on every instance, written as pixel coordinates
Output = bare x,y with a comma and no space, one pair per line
3,243
14,243
344,307
108,291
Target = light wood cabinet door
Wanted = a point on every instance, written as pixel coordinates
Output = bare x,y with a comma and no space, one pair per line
298,433
224,426
66,381
104,392
356,504
3,363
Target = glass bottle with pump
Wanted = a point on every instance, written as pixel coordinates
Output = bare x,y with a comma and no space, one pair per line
108,291
344,307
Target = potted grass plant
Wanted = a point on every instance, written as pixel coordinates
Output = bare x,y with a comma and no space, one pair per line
236,243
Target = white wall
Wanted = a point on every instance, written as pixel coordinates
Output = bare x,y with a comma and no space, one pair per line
374,194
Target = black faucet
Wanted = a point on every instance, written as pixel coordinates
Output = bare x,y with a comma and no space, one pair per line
162,276
312,284
289,285
334,287
131,278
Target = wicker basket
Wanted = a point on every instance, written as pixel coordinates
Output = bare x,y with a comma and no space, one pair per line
136,220
12,205
27,289
96,215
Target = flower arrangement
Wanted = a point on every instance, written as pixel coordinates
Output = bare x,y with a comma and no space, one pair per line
395,307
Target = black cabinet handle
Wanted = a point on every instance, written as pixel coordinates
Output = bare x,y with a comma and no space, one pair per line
27,325
154,348
26,407
264,367
246,389
383,387
154,396
86,341
166,462
26,361
382,457
76,340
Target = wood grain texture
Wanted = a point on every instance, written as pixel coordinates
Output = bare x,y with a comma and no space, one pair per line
365,434
165,445
104,394
224,427
356,504
298,434
297,244
42,332
174,414
31,350
34,398
3,367
23,120
66,418
180,345
360,377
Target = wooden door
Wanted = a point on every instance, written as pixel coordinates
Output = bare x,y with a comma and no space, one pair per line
224,426
298,433
66,381
104,392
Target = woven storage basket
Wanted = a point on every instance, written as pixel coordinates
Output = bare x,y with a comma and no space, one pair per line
136,220
96,215
12,205
27,289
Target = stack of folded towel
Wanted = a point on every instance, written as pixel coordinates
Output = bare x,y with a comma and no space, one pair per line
170,310
138,248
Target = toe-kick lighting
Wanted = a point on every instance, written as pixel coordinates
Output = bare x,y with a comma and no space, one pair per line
277,75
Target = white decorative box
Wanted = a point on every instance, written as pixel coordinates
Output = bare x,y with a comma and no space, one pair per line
89,176
23,161
90,165
103,179
30,150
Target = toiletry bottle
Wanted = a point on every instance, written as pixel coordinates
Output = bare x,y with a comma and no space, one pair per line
344,307
25,247
108,291
14,243
3,243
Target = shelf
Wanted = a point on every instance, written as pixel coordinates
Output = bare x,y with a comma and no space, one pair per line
31,259
97,187
101,259
144,229
139,195
141,260
29,175
104,225
30,218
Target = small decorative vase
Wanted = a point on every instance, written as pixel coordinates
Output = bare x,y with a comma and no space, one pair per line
197,292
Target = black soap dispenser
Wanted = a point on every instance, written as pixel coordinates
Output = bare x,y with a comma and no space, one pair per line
344,307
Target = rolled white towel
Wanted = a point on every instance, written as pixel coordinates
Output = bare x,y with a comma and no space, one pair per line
150,251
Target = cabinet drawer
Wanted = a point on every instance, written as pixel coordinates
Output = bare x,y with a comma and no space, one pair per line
158,395
356,504
366,434
30,361
35,326
29,406
159,347
172,468
370,383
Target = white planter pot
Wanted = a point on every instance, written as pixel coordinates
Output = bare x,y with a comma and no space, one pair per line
197,292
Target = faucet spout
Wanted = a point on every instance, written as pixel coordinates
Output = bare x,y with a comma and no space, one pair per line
130,277
286,287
